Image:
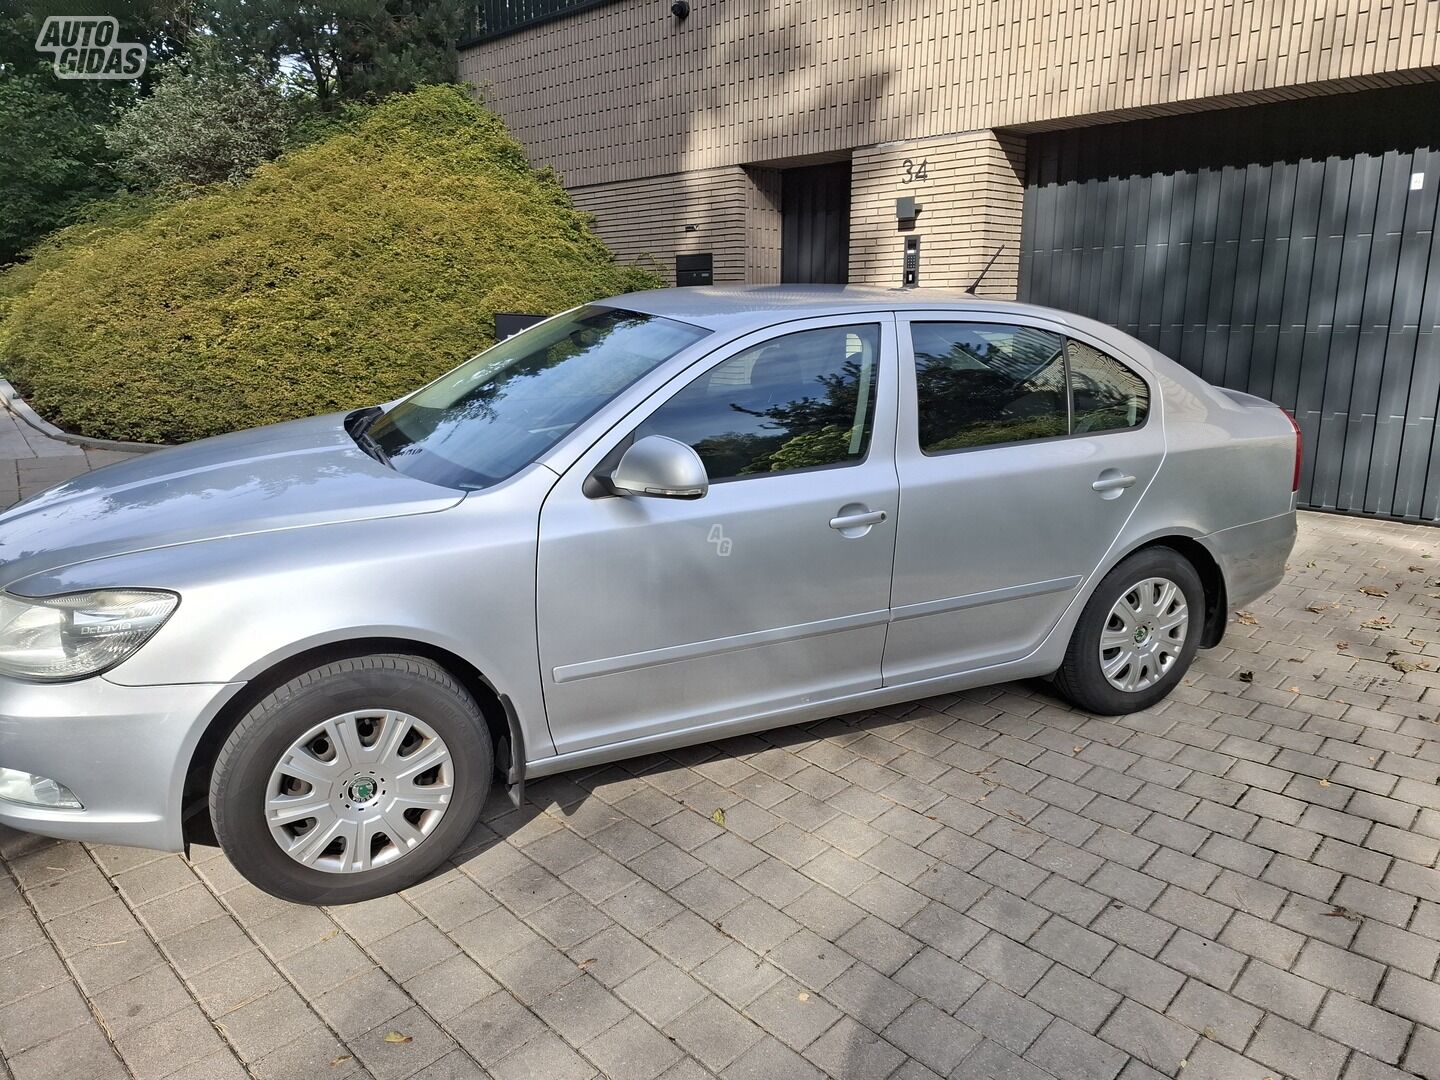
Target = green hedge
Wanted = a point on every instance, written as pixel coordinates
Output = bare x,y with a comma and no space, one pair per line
343,274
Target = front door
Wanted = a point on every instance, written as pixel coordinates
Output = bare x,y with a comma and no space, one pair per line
1022,451
772,590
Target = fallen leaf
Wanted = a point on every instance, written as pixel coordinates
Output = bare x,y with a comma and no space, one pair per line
1293,689
1318,608
1402,665
586,963
1246,676
1341,646
1418,569
1246,618
1374,590
1208,1032
341,1060
802,996
1297,660
1324,783
718,817
1380,622
1077,749
396,1037
1338,912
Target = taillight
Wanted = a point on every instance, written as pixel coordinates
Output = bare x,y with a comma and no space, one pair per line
1299,441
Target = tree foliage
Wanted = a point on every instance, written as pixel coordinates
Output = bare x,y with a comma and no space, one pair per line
202,125
344,273
53,162
345,49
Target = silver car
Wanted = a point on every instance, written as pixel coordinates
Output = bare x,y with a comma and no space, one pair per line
661,519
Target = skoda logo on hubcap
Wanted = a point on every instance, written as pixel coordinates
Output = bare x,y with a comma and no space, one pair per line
363,789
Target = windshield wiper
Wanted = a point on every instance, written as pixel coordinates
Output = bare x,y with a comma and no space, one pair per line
357,424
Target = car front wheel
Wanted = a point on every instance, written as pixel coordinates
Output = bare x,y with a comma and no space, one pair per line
351,781
1137,635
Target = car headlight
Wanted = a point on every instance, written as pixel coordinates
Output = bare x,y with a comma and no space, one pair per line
79,634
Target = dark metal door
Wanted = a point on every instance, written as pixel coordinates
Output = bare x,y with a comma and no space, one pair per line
1286,250
815,224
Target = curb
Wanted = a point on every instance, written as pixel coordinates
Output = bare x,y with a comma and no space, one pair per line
22,410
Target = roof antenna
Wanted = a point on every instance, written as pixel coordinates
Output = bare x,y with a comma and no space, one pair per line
985,270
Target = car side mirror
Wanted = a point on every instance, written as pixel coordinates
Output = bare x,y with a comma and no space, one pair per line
660,467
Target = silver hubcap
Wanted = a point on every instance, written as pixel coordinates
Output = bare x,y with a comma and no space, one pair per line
1144,634
358,791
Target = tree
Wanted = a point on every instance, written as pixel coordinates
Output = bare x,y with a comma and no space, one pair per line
55,159
345,49
204,125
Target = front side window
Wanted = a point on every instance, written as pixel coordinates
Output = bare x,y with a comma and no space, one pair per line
1107,394
801,401
498,412
980,384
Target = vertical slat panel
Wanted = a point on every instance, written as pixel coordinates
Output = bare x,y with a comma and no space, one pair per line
1320,317
1417,484
1218,316
1371,371
1270,281
1299,267
1345,341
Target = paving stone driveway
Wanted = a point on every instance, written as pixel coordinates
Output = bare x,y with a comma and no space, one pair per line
1239,883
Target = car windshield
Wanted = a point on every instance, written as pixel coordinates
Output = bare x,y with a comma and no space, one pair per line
499,411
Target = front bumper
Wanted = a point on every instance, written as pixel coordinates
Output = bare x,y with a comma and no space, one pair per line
123,751
1252,557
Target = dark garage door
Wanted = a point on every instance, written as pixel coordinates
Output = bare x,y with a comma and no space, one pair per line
1288,250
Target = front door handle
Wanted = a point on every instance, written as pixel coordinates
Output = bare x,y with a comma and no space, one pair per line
857,521
1112,483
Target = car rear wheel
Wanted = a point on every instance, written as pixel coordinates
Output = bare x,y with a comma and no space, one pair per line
1137,635
354,780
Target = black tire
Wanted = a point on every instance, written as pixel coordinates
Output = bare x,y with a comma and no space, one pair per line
240,780
1081,680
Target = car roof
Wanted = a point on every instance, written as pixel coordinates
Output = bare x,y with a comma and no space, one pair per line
739,307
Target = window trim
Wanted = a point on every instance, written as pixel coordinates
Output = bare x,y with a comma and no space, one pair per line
903,330
616,430
879,325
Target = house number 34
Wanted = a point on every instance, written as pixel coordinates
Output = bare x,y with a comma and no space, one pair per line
913,170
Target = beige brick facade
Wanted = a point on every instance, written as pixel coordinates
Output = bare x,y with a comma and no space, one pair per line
970,188
731,212
656,123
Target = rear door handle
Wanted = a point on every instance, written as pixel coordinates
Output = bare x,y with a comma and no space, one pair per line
1112,483
858,521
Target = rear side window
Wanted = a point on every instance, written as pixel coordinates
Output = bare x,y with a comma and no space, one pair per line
1107,395
801,401
980,384
987,384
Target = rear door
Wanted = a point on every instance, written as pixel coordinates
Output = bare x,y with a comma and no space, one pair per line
1022,450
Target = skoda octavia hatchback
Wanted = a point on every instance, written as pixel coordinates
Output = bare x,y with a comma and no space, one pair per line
660,519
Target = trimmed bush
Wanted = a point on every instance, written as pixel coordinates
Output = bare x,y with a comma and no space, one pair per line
343,274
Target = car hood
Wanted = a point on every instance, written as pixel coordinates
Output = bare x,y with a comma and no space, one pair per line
306,472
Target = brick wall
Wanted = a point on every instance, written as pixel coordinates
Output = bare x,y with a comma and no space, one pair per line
971,194
733,213
626,90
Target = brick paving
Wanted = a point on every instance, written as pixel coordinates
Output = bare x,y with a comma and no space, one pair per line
1240,883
